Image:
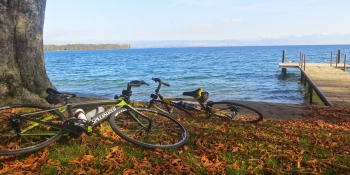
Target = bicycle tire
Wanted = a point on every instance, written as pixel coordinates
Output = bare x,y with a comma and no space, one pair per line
169,108
235,111
25,136
165,131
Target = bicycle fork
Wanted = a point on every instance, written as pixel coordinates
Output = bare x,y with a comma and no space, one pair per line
136,118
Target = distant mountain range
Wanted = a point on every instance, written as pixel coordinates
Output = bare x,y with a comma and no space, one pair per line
288,40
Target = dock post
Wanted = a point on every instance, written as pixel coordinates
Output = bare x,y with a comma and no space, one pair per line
284,70
304,69
310,92
300,59
331,58
304,61
345,63
338,56
302,75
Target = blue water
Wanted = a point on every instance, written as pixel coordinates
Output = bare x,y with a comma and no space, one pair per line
248,73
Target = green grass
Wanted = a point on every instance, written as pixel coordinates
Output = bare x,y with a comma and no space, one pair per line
214,147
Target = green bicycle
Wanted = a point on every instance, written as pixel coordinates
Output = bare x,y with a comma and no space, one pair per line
199,103
27,128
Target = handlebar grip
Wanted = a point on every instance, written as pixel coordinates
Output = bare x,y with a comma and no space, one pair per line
166,84
137,83
160,81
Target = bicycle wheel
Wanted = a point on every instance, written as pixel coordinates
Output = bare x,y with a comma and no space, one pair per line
235,111
148,128
172,108
20,134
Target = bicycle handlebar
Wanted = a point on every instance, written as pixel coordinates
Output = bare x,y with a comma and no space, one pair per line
160,84
160,81
137,83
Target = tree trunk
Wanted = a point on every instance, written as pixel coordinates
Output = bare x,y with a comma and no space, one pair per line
23,77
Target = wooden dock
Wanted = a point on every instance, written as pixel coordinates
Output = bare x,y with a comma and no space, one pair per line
297,65
331,83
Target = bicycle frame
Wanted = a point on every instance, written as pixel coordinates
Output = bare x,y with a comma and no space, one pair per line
172,101
42,125
99,118
206,107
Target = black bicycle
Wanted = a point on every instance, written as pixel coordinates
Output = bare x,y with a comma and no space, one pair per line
199,103
26,128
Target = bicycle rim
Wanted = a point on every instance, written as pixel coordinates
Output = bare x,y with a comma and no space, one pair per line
236,112
163,132
19,136
169,108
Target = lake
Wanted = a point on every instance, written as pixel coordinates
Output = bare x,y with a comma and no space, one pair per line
248,73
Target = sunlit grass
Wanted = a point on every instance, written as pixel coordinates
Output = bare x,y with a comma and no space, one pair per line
214,147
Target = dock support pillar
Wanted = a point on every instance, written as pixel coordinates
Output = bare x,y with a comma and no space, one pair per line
331,58
310,92
345,63
284,70
302,76
338,56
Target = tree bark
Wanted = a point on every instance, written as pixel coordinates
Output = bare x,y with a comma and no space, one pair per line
23,77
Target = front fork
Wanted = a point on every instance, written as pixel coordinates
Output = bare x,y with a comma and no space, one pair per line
136,118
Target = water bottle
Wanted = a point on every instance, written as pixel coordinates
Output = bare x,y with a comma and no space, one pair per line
79,113
94,112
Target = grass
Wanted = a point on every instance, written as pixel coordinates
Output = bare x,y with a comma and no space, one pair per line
215,147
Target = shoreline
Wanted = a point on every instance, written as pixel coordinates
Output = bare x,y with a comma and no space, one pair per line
280,111
270,110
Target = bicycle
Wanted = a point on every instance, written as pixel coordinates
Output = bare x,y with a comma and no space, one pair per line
199,103
28,128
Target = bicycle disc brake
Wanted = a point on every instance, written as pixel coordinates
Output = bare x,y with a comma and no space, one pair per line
234,111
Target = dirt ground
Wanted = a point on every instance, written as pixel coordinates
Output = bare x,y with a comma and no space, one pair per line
279,111
270,111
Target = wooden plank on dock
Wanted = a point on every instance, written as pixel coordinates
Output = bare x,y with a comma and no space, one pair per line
296,65
332,82
288,65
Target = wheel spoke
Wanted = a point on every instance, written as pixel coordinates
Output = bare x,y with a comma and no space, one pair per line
236,112
164,132
28,128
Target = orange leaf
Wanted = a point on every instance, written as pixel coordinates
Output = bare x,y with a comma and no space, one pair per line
176,161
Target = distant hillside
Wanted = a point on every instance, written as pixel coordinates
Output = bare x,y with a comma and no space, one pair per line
52,47
287,40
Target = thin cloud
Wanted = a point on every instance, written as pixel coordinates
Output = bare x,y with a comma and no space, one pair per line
234,20
206,25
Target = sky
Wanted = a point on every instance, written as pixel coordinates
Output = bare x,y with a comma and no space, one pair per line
121,21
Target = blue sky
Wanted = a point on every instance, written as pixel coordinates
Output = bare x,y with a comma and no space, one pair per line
117,21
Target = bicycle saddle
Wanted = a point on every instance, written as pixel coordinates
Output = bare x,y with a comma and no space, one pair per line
51,91
195,94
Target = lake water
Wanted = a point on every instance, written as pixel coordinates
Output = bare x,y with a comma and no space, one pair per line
248,73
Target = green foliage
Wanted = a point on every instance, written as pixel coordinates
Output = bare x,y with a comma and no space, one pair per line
52,47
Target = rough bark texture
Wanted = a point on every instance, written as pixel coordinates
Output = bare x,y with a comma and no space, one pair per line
23,77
